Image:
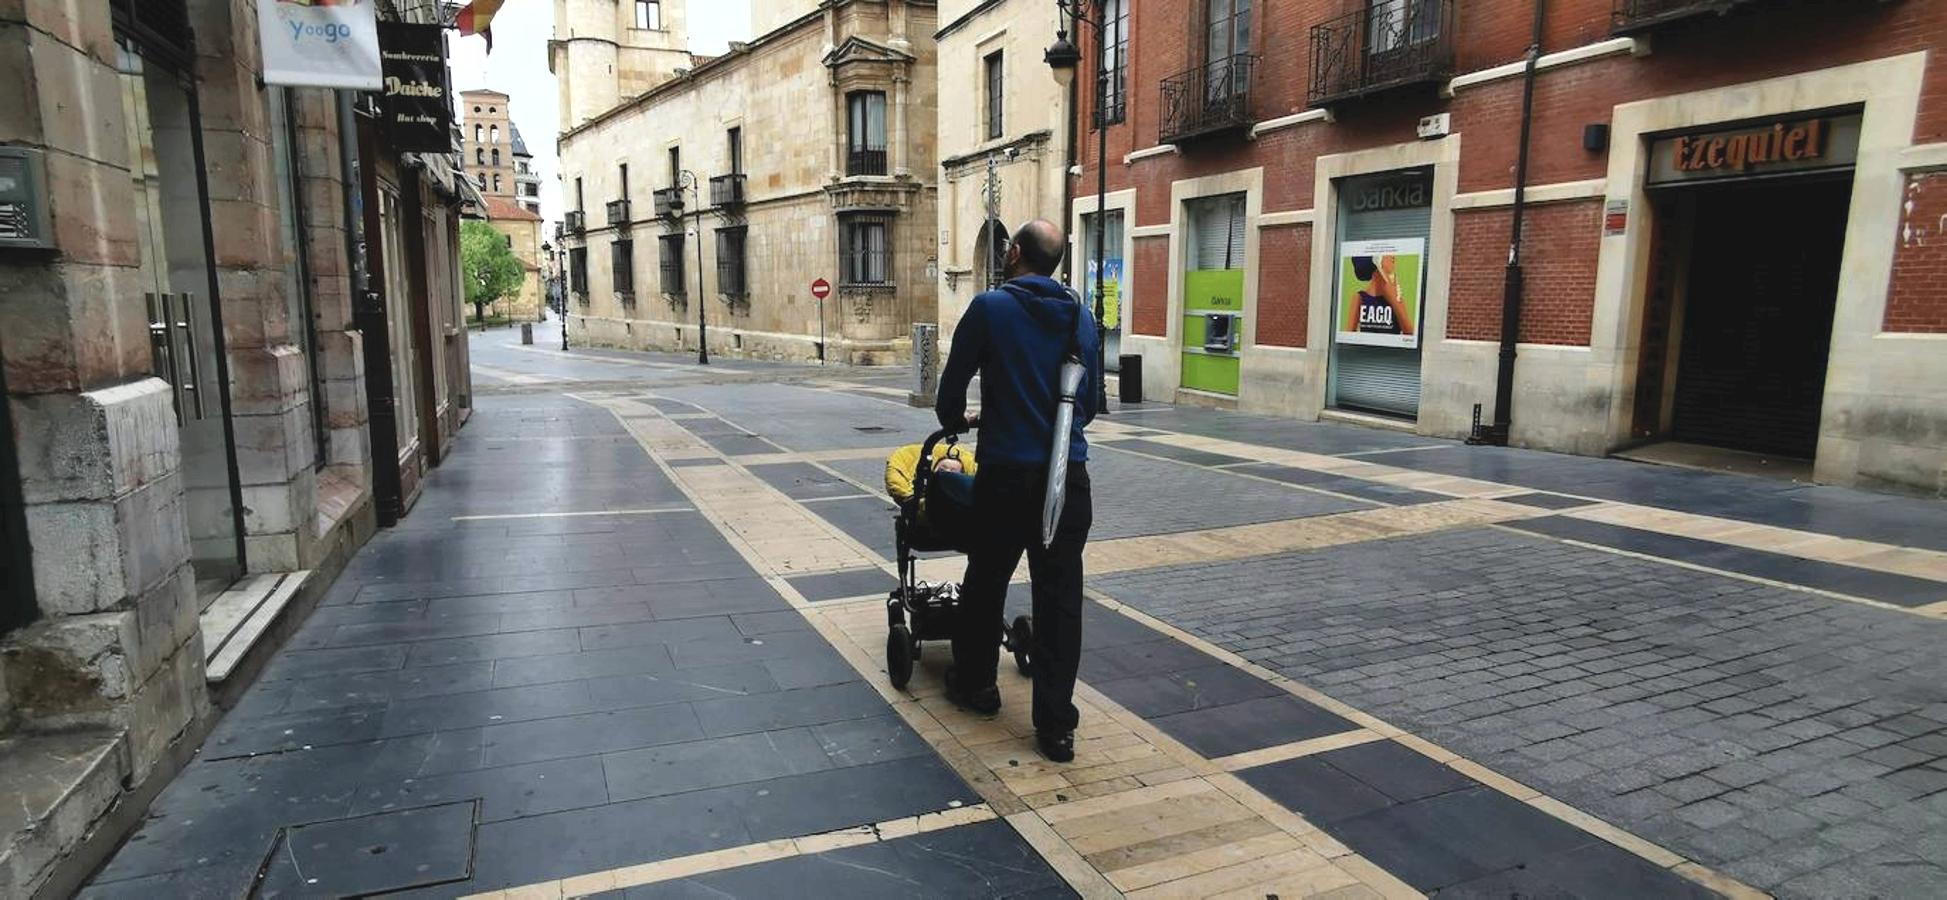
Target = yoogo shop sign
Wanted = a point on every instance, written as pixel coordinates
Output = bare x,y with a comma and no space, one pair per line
320,43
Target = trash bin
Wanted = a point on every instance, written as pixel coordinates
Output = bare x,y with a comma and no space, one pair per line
1131,378
527,332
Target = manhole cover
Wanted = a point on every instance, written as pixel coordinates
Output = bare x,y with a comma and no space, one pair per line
372,854
872,429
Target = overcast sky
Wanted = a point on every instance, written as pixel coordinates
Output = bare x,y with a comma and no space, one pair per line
518,67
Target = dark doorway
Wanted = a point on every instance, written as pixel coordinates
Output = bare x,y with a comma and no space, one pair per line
1753,310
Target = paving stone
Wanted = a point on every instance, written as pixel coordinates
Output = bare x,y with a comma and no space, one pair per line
1251,725
373,854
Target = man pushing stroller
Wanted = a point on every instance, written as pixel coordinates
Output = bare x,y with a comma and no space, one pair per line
1017,338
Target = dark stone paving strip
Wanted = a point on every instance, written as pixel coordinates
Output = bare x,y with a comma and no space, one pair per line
839,585
1543,500
986,859
803,481
1342,484
1212,707
1886,587
1180,454
1443,832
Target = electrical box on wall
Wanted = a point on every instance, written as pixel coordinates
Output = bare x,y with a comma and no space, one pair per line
24,220
1438,125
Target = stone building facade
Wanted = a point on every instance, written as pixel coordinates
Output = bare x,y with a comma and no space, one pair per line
1004,147
805,154
187,445
1304,182
497,159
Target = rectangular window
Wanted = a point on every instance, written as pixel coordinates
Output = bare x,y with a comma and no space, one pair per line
621,266
578,272
1114,85
649,15
736,137
1393,24
996,95
730,262
671,248
865,249
675,167
622,171
579,205
866,131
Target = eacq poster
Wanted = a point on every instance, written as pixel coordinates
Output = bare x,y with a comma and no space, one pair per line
1380,288
320,43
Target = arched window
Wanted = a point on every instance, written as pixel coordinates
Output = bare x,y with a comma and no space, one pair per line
495,133
480,156
496,182
476,128
990,253
496,156
480,178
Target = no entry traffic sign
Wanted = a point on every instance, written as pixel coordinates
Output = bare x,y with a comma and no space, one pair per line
821,289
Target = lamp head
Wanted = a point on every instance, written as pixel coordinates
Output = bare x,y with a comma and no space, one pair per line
1063,57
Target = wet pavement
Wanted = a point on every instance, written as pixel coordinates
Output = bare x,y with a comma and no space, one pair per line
629,641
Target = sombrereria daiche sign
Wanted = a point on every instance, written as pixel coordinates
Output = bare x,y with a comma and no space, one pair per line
416,99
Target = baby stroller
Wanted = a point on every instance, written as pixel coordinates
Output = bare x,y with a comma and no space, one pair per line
935,513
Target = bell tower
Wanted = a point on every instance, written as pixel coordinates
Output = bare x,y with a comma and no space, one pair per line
607,51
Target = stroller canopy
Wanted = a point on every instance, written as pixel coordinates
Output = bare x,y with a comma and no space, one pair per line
903,466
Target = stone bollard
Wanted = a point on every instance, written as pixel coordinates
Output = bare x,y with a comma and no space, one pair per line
527,333
926,365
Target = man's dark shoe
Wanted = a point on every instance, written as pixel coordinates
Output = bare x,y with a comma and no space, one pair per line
985,700
1057,747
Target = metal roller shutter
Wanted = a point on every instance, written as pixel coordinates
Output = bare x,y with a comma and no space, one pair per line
1380,379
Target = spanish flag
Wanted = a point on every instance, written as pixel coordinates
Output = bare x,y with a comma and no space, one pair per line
477,18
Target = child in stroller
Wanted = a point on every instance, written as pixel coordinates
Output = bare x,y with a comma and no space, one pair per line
933,485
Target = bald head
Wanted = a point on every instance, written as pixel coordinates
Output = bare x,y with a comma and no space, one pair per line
1038,249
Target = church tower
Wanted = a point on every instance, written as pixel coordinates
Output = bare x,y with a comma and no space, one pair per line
605,52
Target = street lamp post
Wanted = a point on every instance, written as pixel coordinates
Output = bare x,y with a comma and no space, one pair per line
693,184
1063,57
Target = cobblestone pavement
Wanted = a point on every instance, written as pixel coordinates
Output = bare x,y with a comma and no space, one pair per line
630,642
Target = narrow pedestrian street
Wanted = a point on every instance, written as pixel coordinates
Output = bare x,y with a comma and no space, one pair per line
630,642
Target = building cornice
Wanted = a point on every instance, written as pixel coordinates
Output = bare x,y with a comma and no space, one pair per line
966,17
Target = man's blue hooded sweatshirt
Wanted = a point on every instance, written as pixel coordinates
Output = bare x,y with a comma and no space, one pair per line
1016,337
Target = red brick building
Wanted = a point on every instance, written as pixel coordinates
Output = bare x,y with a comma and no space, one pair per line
1733,217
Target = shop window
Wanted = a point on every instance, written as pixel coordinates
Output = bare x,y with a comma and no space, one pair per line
864,249
996,94
730,262
670,249
866,133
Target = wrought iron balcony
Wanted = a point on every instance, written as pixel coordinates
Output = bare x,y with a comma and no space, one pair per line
1381,47
575,221
866,161
727,190
1208,99
669,201
618,213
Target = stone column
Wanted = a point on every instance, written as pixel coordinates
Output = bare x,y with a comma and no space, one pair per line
116,645
268,371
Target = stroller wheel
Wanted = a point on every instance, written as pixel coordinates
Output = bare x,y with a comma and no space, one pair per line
899,656
1020,639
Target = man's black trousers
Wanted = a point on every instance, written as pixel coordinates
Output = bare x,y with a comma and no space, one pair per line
1007,508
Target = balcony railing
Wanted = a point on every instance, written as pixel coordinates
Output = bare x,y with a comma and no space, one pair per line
669,201
727,190
575,221
866,161
618,213
1381,47
1210,98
